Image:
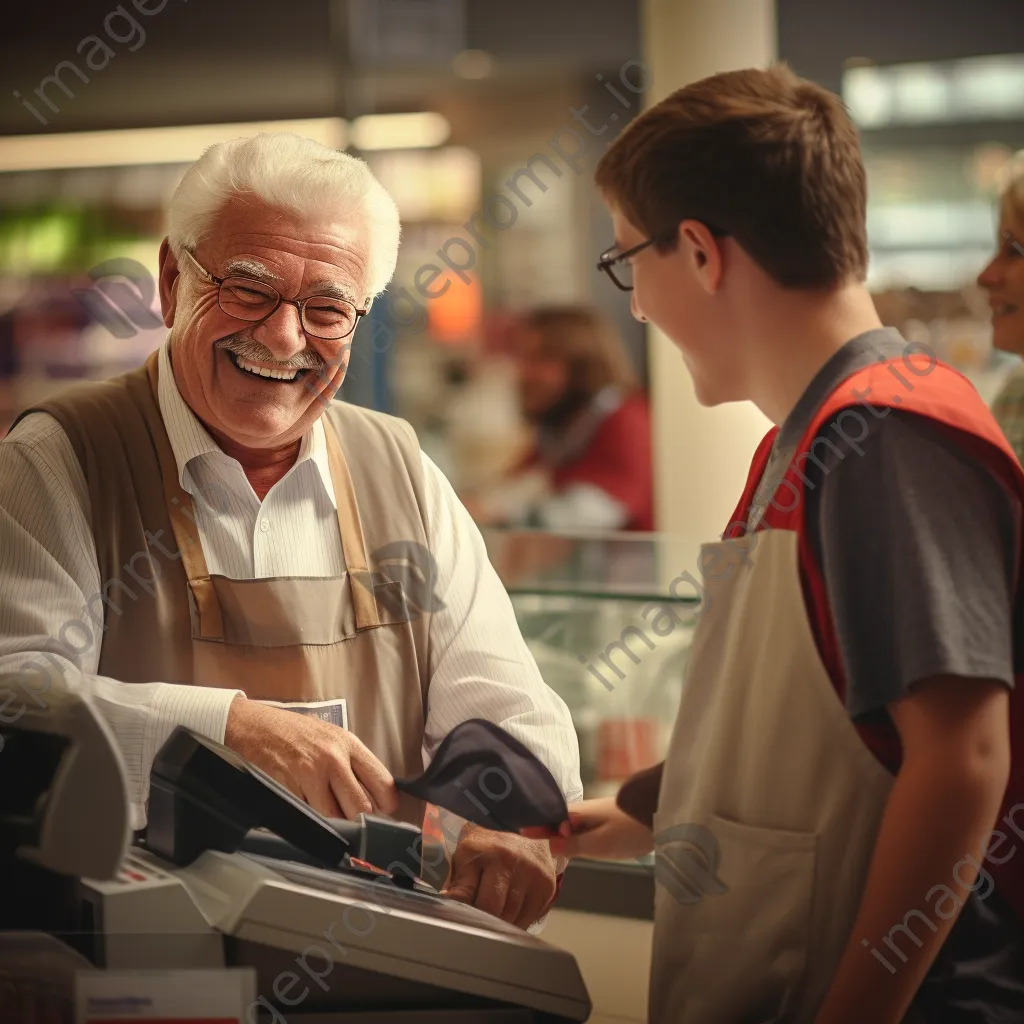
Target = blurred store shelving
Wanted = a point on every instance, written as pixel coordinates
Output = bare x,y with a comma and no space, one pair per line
56,226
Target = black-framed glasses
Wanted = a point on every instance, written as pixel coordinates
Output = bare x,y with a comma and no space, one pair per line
618,267
1014,244
322,316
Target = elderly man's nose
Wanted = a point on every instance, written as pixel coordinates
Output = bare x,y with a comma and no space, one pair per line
282,332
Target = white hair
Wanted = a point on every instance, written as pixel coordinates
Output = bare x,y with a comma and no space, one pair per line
293,174
1012,198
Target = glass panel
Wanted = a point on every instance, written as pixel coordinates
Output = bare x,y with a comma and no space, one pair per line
609,620
632,566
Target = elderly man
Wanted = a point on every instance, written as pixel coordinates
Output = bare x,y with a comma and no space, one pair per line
187,543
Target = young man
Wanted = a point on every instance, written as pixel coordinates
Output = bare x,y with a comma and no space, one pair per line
839,831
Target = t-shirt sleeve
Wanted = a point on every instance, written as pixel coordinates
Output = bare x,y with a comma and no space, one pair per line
917,544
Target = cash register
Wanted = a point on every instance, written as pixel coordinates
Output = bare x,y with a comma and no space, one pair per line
234,871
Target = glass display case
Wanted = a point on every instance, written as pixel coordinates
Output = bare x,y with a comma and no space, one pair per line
609,619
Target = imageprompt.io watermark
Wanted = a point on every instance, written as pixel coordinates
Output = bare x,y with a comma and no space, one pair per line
119,26
686,859
121,298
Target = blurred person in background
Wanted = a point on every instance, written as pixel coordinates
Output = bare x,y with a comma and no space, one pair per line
590,465
1003,279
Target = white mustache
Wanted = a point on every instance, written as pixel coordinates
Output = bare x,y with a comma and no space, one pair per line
247,348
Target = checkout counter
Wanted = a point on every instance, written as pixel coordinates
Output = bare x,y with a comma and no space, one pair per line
611,634
235,872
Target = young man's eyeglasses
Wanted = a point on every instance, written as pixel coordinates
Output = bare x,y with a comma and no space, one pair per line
322,316
618,267
617,264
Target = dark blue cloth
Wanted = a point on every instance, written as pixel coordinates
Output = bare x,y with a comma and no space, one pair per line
488,777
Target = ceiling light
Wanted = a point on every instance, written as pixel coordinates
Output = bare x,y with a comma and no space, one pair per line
400,131
142,146
868,93
950,92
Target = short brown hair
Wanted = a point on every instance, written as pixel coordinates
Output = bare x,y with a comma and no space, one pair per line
762,155
588,344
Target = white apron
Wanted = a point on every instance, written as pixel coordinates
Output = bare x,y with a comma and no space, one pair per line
751,920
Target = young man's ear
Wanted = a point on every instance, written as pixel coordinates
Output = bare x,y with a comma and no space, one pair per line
702,247
168,283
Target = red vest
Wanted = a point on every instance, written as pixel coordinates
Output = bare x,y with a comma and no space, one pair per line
947,398
617,460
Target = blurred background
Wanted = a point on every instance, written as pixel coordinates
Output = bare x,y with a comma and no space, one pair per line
446,99
485,121
128,99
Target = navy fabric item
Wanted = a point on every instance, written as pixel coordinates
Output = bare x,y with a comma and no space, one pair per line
638,796
488,777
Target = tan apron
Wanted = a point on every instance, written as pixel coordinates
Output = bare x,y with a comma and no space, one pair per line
292,638
284,639
769,807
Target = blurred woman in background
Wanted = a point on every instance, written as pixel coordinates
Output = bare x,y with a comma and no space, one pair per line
1003,279
590,466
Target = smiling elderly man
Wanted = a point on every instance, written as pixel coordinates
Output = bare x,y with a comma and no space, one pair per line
211,512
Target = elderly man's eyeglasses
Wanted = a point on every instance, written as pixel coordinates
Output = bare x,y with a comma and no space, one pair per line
245,298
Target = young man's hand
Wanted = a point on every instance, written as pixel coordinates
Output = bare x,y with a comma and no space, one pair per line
598,829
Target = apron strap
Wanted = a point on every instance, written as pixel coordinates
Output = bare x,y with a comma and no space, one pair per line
183,522
353,544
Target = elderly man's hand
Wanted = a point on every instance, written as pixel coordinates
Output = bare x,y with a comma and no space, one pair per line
324,765
504,874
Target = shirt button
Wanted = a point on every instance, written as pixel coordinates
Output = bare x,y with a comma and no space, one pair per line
264,525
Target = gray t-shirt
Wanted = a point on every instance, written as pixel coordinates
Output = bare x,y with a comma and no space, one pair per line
916,540
917,544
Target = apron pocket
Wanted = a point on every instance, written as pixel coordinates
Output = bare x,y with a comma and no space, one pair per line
737,899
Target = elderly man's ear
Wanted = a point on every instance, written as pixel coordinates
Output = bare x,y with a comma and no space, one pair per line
168,283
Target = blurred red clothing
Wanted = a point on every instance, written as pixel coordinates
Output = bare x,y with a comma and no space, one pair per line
617,459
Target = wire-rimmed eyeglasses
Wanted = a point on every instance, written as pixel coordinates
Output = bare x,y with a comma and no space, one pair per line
244,298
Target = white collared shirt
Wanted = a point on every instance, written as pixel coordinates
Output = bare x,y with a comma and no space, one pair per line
481,666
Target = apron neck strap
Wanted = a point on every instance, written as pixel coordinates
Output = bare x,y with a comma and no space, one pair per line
350,526
181,512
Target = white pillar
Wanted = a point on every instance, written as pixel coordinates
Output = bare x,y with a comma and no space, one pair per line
701,456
